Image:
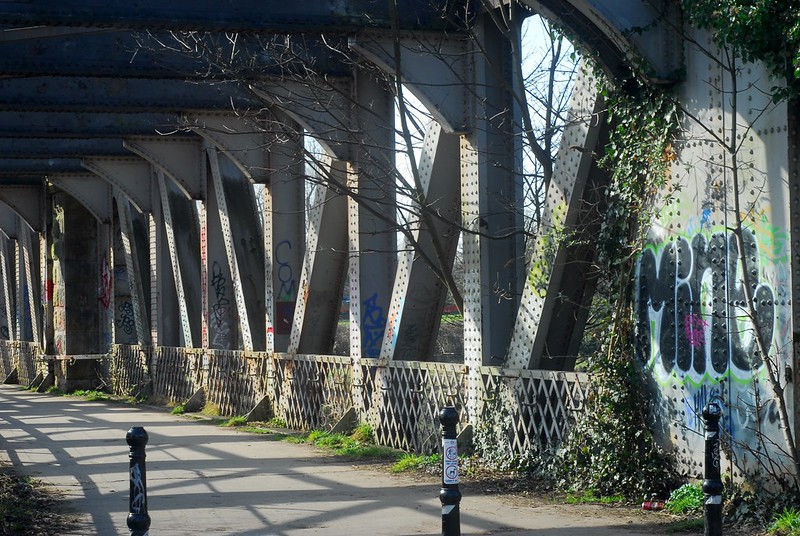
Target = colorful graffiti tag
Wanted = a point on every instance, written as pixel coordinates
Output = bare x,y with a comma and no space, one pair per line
691,310
695,335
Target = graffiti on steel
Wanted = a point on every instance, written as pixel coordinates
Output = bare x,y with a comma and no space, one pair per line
691,314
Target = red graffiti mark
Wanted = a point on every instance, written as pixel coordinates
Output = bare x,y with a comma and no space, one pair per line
694,328
106,283
49,286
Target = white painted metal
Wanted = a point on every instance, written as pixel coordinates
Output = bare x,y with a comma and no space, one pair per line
202,213
322,107
133,268
181,159
570,171
316,313
227,236
28,261
418,294
241,138
155,250
471,244
269,287
176,264
133,176
93,192
286,192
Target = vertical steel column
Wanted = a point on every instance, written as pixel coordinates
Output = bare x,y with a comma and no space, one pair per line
793,143
202,213
227,236
8,306
269,279
493,190
29,268
106,298
286,193
473,297
45,287
166,213
133,268
18,284
155,248
354,269
375,242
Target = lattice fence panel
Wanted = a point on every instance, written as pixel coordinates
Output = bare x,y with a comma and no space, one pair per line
411,400
8,361
27,364
177,373
233,381
314,391
531,409
129,369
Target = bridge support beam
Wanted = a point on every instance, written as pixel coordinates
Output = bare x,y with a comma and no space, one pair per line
419,293
324,267
372,216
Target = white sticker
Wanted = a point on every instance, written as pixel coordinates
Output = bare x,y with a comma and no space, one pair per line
450,469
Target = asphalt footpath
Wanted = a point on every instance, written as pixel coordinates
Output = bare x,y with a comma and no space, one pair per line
205,479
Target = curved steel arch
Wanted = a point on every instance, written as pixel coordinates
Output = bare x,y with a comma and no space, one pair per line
621,34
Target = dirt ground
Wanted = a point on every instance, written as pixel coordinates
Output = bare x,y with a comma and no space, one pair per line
526,493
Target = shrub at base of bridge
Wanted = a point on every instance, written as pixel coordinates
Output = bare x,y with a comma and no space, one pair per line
610,449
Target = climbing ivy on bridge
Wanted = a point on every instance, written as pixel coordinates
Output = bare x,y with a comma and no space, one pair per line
610,449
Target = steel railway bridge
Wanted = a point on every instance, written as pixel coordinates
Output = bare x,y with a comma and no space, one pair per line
155,233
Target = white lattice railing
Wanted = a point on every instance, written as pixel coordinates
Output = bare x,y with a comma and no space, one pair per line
129,369
537,406
401,400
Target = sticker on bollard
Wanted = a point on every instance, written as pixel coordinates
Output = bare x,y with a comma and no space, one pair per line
450,447
449,495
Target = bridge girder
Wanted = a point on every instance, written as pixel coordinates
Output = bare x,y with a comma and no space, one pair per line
93,94
620,34
245,15
159,55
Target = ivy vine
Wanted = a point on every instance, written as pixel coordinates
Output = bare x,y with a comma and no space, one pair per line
765,30
610,449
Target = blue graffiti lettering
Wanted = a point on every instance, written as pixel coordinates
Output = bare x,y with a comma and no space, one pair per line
373,326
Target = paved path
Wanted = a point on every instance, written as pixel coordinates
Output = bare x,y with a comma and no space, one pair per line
204,479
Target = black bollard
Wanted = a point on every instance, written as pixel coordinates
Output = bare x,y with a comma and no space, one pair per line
138,518
449,495
712,483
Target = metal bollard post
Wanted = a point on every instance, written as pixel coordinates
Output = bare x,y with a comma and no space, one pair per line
449,495
138,518
712,483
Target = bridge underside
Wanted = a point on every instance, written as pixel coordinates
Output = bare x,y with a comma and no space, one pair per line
168,227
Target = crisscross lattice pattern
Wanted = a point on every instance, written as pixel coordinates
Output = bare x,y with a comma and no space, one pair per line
234,381
313,391
406,399
27,355
401,400
539,404
129,369
177,373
